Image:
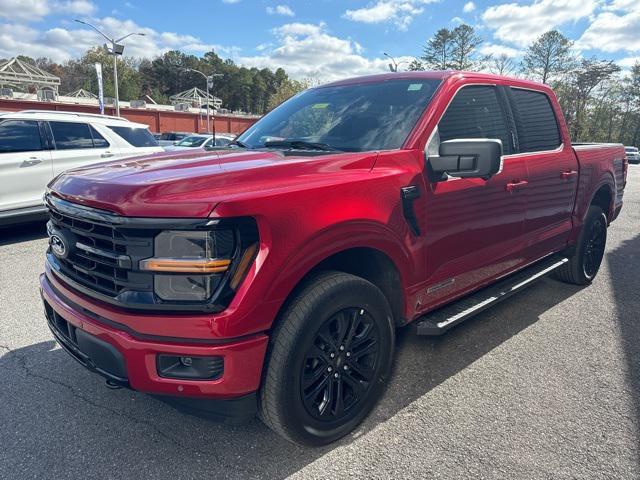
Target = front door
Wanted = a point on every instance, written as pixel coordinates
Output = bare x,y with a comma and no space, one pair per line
25,164
474,226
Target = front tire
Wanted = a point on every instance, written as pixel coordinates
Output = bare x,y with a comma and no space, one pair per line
583,266
328,361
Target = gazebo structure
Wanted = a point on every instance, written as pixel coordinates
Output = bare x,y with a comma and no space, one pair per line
16,73
82,93
196,98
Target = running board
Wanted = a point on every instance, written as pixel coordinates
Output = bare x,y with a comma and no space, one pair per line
441,320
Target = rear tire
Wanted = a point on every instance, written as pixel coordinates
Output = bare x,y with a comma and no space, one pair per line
328,360
584,264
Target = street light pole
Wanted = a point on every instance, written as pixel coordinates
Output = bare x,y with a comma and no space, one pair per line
209,79
394,67
116,49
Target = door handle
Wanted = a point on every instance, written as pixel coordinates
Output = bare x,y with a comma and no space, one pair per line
32,161
516,185
107,155
568,174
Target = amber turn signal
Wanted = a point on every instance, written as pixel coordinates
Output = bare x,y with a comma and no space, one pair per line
179,265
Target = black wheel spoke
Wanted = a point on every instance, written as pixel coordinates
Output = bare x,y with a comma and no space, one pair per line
340,364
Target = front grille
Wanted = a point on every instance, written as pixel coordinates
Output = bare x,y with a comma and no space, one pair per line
101,255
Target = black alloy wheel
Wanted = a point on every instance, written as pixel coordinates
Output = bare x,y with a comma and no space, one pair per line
339,368
594,247
329,359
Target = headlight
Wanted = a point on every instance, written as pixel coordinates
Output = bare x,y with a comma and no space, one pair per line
189,265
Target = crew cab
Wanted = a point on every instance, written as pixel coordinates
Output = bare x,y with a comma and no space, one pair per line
37,145
272,275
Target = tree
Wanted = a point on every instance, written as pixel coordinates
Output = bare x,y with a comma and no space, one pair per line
452,49
548,57
502,64
465,43
438,50
287,89
415,66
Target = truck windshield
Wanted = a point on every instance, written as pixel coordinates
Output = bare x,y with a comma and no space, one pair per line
352,118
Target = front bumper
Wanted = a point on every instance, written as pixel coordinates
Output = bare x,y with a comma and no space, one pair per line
127,360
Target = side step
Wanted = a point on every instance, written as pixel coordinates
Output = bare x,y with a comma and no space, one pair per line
441,320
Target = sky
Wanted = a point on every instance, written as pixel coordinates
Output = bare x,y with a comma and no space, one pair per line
318,39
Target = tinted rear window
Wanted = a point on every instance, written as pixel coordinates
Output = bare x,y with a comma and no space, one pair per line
20,136
71,136
138,137
535,121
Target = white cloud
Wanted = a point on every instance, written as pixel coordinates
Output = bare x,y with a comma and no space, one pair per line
521,24
469,7
399,12
280,10
613,32
498,50
62,44
628,62
79,7
456,20
35,10
24,10
309,51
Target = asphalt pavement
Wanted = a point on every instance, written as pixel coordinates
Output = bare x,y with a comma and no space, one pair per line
545,385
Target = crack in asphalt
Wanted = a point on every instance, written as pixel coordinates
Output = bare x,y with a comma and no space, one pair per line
21,362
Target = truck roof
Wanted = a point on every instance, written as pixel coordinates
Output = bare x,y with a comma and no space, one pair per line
443,75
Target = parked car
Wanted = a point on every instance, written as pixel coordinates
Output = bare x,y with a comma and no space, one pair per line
202,142
35,146
632,153
271,277
171,138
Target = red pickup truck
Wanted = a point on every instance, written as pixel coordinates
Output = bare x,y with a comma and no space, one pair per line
270,276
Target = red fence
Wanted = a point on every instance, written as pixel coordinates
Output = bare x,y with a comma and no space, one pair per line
158,120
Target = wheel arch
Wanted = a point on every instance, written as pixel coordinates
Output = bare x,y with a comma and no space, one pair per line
369,251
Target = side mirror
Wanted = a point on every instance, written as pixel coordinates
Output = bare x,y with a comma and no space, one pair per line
466,158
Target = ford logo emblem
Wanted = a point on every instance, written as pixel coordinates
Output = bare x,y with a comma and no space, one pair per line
58,245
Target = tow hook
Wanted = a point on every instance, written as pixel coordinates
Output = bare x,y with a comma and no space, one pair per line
113,385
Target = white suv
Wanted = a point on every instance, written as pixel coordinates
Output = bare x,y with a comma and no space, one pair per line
35,146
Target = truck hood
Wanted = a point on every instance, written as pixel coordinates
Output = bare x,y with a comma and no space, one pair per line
191,184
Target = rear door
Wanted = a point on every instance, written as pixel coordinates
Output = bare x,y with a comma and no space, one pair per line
25,164
474,226
553,171
78,144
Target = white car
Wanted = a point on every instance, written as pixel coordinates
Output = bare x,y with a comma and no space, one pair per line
36,146
202,142
633,155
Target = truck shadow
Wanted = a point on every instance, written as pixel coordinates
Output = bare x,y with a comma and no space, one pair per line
623,263
63,417
23,232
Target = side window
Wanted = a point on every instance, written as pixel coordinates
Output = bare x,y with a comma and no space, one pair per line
475,112
71,136
137,137
20,136
535,120
98,140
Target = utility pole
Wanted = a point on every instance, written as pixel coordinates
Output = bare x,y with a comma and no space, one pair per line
116,49
209,79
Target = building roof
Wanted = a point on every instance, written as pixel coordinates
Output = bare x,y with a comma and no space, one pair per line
81,93
20,74
195,95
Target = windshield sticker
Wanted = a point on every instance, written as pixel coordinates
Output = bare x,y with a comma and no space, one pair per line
320,105
414,87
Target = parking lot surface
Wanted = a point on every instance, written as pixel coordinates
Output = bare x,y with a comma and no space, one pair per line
545,385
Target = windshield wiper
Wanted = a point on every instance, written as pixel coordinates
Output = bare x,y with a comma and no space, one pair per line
239,143
300,145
